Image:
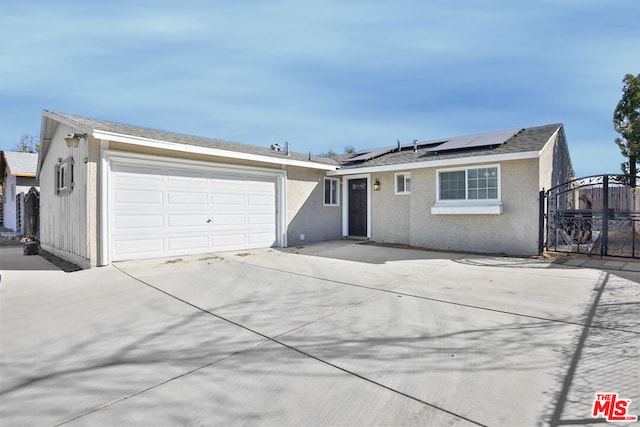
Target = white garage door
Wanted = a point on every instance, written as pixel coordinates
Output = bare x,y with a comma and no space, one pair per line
167,211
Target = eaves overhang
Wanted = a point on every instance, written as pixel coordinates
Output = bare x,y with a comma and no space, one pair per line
458,161
166,145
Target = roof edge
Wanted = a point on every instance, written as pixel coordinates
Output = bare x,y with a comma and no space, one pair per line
459,161
173,146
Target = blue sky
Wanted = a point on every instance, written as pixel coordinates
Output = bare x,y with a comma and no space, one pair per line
324,74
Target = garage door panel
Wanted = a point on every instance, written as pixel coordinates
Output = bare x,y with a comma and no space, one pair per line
138,196
261,219
229,241
226,220
124,221
228,182
222,199
133,174
165,211
184,197
194,244
183,220
140,247
260,239
260,200
180,177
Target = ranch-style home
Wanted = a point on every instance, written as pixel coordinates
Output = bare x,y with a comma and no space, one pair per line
112,192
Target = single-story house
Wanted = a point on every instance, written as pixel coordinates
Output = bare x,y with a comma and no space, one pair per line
19,177
474,193
112,192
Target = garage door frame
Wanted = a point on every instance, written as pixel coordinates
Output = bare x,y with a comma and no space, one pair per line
110,157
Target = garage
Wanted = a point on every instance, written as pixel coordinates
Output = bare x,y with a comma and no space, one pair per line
159,209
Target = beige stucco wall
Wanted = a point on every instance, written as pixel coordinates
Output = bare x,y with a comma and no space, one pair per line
408,220
555,163
390,212
306,213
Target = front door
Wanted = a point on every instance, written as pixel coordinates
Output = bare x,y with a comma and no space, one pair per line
358,207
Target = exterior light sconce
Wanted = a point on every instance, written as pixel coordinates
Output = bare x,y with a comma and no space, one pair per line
73,139
376,185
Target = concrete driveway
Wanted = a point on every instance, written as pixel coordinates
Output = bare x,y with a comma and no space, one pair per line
338,333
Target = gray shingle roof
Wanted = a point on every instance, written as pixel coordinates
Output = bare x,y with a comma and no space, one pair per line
21,163
529,139
94,125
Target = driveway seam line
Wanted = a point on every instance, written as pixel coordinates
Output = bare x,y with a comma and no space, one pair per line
573,366
282,344
151,387
391,291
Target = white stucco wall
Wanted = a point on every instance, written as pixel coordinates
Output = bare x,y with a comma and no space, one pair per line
408,219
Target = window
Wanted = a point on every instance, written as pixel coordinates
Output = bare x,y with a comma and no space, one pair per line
469,184
64,175
468,191
331,192
403,183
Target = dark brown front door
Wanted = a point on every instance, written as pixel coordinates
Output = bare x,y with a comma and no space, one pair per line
358,207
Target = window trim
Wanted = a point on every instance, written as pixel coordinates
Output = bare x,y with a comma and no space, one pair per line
332,194
466,205
407,175
64,176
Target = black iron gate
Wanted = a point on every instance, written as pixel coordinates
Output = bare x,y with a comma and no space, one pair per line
597,214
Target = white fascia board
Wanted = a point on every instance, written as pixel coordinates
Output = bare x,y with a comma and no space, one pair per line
439,163
165,145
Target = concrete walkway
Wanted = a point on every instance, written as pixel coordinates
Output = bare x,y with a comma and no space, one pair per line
338,333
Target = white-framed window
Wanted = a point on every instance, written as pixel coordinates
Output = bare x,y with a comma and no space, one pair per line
331,192
64,178
403,183
469,190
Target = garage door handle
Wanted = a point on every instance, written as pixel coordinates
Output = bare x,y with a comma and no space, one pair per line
209,220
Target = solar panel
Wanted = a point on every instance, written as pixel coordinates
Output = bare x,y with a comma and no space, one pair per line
478,140
372,154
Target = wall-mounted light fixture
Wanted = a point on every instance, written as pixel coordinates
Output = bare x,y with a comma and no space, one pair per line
376,185
73,139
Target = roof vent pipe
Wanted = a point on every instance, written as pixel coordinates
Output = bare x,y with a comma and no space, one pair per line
288,148
398,145
415,145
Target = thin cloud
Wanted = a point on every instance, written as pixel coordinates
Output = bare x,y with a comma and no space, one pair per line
324,74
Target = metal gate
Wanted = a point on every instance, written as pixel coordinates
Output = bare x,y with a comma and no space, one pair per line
597,214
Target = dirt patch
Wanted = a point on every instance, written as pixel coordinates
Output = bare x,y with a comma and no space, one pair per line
244,254
211,258
174,261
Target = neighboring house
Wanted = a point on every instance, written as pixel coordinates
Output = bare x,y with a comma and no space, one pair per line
119,192
476,193
115,192
19,176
